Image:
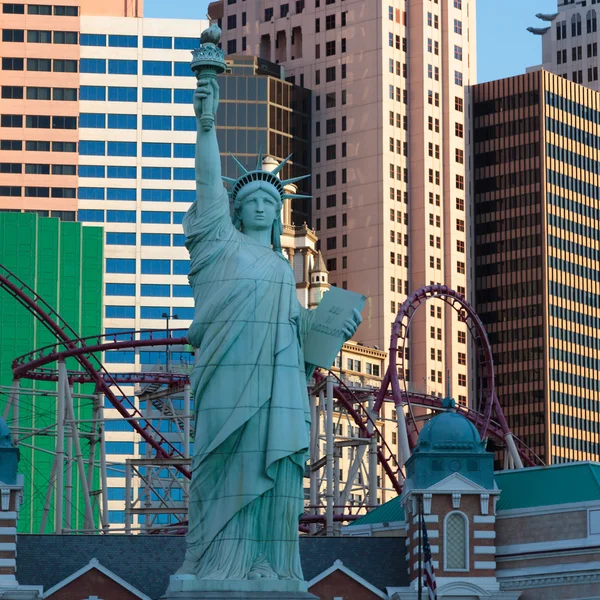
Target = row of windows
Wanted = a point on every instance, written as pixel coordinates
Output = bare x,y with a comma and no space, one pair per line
572,205
130,94
573,358
571,183
588,383
129,216
129,121
121,238
573,107
146,312
152,290
148,266
574,227
115,66
37,192
574,316
577,53
131,41
130,172
35,36
575,269
572,337
149,149
573,294
573,133
38,122
38,169
585,403
577,444
130,194
39,93
58,65
41,9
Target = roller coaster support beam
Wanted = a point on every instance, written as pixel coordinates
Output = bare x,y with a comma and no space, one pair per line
372,454
186,432
314,456
13,402
403,443
69,478
329,455
88,513
103,473
60,448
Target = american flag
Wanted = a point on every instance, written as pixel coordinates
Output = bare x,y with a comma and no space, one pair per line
428,570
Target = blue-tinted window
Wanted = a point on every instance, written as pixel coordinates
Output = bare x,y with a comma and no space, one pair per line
91,193
161,217
156,239
184,173
183,96
156,149
186,43
153,312
120,265
155,41
120,238
117,172
122,121
122,94
156,267
91,171
184,196
123,41
161,68
92,92
91,148
184,312
156,173
121,148
122,67
182,69
90,216
117,493
92,120
181,267
184,124
156,122
120,425
119,312
119,356
151,357
182,291
121,216
155,289
116,516
178,239
92,65
157,95
92,39
121,194
178,217
119,447
156,195
184,150
120,289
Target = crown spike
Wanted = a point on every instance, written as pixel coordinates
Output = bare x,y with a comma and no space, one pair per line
259,160
280,166
239,164
294,179
291,196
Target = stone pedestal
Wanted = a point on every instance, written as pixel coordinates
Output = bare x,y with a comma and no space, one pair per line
187,587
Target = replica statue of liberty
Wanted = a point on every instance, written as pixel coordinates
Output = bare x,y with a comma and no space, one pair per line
249,381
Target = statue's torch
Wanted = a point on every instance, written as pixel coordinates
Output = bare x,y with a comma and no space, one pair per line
208,61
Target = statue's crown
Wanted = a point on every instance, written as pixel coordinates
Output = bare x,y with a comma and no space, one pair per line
259,174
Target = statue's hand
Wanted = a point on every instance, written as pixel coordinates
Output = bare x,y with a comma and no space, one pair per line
351,325
206,97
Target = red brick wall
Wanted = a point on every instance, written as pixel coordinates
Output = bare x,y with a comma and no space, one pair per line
338,584
93,583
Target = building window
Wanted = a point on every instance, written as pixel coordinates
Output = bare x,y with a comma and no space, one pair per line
456,546
329,22
458,104
458,130
458,52
458,78
457,26
462,337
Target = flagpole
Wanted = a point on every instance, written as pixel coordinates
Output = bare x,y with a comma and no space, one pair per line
420,583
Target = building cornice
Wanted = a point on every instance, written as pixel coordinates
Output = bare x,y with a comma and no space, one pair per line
549,576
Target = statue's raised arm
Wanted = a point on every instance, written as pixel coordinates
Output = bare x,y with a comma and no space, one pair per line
209,185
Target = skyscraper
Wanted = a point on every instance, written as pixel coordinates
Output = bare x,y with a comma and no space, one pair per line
388,164
536,142
570,41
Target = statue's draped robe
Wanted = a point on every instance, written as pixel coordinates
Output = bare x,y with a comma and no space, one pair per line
251,405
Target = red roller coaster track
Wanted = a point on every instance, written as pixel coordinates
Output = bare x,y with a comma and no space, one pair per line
33,365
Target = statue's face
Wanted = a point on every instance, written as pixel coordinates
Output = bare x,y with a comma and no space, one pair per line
259,211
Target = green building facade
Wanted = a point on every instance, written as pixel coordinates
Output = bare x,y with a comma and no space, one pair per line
62,262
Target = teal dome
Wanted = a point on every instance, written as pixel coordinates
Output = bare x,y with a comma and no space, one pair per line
448,432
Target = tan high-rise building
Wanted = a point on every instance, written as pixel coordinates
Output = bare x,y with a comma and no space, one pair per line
388,151
537,245
39,101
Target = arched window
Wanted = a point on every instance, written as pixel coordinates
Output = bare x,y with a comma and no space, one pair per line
591,21
575,25
456,542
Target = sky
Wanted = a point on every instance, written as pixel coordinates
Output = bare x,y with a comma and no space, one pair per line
504,46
